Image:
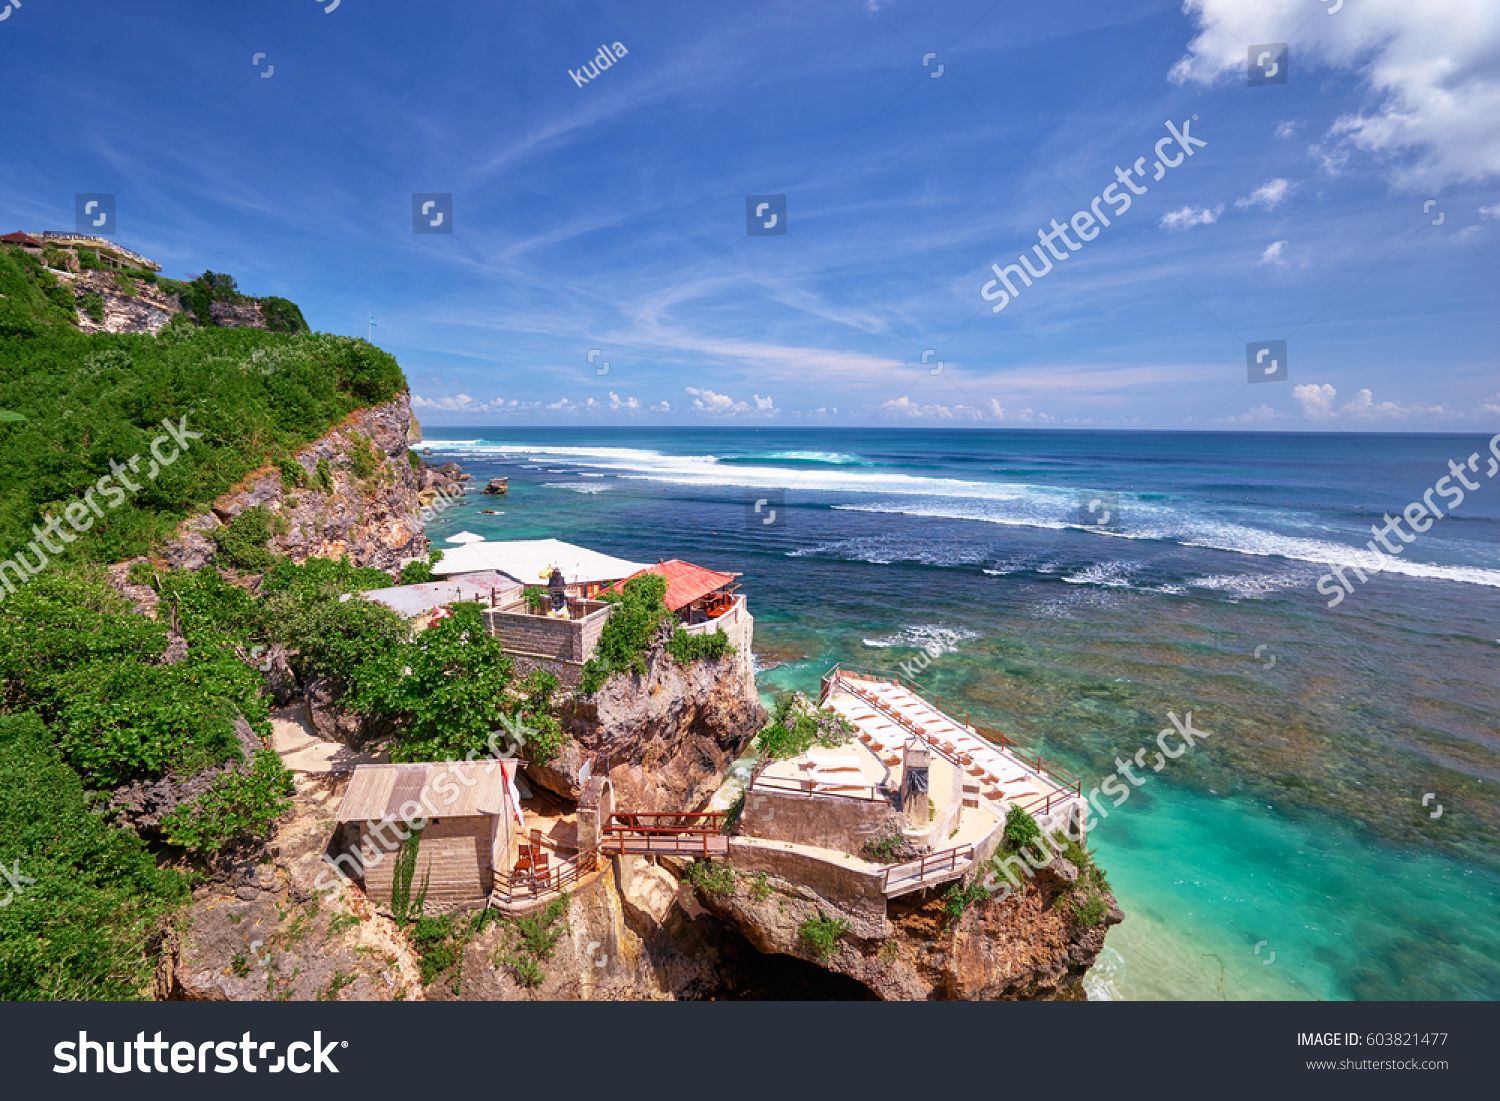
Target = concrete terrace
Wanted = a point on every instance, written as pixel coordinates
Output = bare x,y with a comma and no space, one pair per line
888,714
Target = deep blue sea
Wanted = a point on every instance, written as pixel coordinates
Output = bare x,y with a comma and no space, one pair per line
1335,835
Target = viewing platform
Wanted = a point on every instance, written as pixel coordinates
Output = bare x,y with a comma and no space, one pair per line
888,711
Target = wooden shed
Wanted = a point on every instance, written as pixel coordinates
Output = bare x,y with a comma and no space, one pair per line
465,814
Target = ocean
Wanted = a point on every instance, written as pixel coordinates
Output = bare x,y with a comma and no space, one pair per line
1335,834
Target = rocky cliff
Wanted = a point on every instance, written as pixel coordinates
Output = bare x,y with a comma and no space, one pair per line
372,513
666,739
1032,945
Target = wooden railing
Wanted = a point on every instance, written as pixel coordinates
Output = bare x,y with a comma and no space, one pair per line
519,886
700,832
1066,782
916,871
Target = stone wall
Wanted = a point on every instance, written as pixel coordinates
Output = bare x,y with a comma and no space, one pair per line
843,825
569,674
852,893
544,637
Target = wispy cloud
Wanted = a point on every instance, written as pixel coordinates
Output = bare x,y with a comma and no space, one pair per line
1189,216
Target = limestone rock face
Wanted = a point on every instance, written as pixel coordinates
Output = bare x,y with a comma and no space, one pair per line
668,737
1030,946
375,520
269,932
145,311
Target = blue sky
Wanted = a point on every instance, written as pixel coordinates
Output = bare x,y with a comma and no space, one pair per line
612,215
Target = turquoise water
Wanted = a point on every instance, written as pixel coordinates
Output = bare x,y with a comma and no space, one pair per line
1297,827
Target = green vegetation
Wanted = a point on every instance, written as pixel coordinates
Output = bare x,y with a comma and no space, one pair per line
420,572
708,878
404,908
33,301
760,887
536,599
627,634
796,726
886,846
529,942
293,476
448,690
89,399
961,896
242,544
237,804
330,993
687,648
365,459
84,927
282,316
93,305
822,934
1020,829
324,478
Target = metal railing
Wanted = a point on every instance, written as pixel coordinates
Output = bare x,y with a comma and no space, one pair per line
917,871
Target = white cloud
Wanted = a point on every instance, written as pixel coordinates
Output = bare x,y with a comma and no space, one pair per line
1490,211
1317,404
1287,128
1267,196
1273,254
1317,401
721,405
1468,233
1433,113
1260,414
463,403
1188,217
616,402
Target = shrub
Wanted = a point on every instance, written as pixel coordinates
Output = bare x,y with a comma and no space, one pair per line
708,878
530,942
420,571
243,543
83,930
293,474
93,306
626,637
760,887
795,726
88,260
687,648
884,847
1020,829
282,316
960,897
237,805
365,458
822,934
324,478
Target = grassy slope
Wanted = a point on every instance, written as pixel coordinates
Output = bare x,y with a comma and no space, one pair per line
84,698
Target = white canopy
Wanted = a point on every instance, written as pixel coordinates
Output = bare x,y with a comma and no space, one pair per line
464,537
526,559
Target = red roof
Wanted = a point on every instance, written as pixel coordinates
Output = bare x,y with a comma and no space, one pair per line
685,581
21,239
